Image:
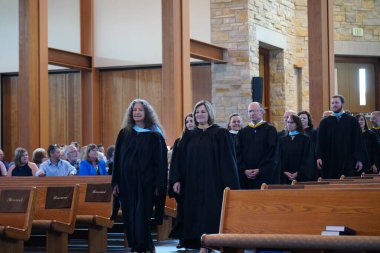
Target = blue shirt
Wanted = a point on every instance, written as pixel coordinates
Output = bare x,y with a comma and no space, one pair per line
87,169
62,168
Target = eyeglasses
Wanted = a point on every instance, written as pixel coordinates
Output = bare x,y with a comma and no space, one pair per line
290,122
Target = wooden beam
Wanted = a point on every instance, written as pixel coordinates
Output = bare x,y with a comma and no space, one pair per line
321,55
69,59
177,98
207,52
89,79
33,96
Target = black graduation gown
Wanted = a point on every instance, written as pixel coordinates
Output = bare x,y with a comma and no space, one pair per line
177,230
140,168
377,154
206,165
258,148
340,146
312,134
297,155
371,149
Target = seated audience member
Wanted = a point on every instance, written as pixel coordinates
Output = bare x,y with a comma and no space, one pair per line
110,155
2,159
76,144
101,153
62,155
370,145
297,153
39,156
91,165
55,166
71,153
3,170
22,166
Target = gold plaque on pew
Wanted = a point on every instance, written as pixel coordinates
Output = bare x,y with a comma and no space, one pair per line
98,193
14,201
59,197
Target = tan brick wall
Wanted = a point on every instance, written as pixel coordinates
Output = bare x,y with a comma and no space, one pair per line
233,25
363,14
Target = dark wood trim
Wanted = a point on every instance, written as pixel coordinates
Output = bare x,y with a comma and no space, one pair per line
321,54
266,98
206,51
177,98
68,59
33,128
90,87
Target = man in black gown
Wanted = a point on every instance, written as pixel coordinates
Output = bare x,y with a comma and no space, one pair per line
339,143
257,151
375,120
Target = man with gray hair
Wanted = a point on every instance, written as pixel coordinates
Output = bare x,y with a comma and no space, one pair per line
71,153
257,150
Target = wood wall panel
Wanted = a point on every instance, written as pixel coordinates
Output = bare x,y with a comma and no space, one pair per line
201,83
58,123
10,120
118,89
74,112
150,89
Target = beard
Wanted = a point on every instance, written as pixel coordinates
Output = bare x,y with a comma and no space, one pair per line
337,109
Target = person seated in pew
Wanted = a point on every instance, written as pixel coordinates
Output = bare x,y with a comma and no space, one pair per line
3,169
55,166
370,145
2,159
91,165
72,153
22,166
297,153
39,156
110,156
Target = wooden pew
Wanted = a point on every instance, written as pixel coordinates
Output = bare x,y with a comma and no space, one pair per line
284,219
16,216
347,185
94,204
55,212
163,230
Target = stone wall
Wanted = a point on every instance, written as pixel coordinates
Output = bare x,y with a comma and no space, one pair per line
233,25
349,14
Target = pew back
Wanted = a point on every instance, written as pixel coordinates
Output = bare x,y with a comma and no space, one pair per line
300,211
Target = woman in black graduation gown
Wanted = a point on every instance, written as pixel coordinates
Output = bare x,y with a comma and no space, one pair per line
308,127
140,173
297,153
206,164
177,231
370,145
235,123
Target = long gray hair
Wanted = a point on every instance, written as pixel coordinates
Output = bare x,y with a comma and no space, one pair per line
150,118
